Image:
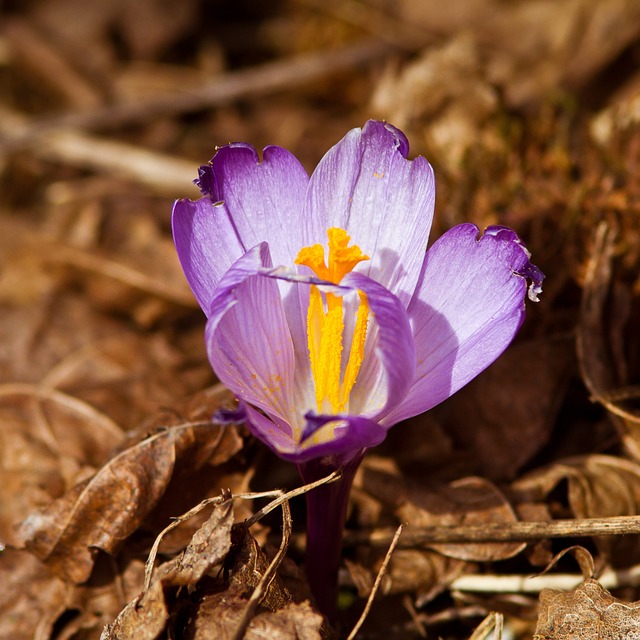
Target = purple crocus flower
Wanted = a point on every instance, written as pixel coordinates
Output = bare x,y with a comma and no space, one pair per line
326,317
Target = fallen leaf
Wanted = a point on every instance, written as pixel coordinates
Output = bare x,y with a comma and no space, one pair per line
48,439
31,598
598,486
470,501
219,615
588,612
146,616
504,417
103,511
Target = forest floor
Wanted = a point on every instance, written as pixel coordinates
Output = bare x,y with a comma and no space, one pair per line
528,111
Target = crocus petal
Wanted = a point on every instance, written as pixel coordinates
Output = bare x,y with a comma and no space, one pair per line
467,309
264,199
365,185
247,336
207,245
338,437
276,433
389,365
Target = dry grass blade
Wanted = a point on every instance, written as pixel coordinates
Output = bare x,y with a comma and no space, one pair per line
492,623
510,583
376,584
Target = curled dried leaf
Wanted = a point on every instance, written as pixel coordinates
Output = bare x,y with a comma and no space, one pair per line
103,511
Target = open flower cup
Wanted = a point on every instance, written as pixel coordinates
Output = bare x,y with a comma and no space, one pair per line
325,315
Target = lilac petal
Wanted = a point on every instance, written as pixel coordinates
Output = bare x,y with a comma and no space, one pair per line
273,431
389,364
206,243
392,361
392,354
340,437
365,184
264,199
247,336
467,309
529,271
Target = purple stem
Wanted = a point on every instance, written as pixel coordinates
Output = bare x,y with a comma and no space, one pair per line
326,515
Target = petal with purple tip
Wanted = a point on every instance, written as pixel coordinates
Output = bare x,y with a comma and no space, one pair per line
338,437
467,309
366,185
264,199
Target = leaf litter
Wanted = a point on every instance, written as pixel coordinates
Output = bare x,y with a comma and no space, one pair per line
528,112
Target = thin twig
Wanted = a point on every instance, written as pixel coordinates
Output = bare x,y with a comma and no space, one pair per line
376,584
151,559
281,498
166,175
247,83
499,532
284,497
407,601
268,576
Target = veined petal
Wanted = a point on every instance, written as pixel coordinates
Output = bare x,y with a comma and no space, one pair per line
207,245
247,336
264,199
389,364
273,431
340,437
366,185
467,309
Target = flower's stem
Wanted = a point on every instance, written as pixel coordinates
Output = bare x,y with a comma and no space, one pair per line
326,515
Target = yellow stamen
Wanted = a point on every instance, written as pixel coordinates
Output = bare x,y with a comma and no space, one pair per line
356,353
325,323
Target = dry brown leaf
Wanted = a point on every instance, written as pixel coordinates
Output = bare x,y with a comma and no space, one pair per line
97,603
588,612
598,486
103,511
31,598
208,547
128,377
143,618
47,441
249,565
470,501
604,311
427,573
503,418
219,614
146,616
